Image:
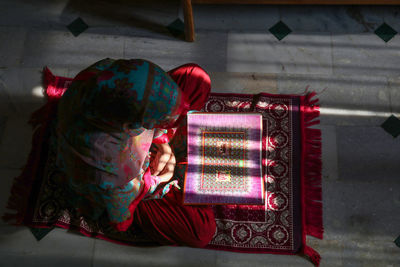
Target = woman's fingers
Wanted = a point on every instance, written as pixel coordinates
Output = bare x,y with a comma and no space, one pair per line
163,164
163,155
168,171
160,162
170,165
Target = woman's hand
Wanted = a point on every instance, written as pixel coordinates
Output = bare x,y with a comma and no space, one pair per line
163,164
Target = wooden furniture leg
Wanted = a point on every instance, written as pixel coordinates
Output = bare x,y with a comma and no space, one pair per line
188,19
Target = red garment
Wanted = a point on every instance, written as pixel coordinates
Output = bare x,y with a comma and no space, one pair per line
195,85
166,220
169,222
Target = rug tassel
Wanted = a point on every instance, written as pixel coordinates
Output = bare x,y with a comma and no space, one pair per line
312,254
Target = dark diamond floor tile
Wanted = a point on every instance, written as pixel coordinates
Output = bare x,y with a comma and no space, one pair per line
397,241
176,28
385,32
77,27
280,30
392,126
40,233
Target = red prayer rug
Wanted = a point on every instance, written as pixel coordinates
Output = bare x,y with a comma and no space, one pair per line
291,169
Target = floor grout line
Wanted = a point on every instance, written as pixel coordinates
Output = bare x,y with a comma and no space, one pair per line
93,253
332,57
390,94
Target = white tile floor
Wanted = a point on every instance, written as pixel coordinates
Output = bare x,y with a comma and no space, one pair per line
330,47
345,99
298,53
370,49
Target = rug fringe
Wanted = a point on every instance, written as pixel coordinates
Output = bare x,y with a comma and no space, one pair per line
312,167
311,175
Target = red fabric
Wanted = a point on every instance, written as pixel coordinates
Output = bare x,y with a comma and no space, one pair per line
55,85
195,84
168,222
165,137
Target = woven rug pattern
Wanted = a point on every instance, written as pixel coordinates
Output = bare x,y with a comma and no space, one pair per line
275,226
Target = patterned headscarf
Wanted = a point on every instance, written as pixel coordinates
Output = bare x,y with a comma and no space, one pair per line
135,92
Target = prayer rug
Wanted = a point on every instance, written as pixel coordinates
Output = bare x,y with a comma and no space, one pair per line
291,169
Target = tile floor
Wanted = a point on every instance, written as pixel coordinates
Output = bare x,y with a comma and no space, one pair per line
332,49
